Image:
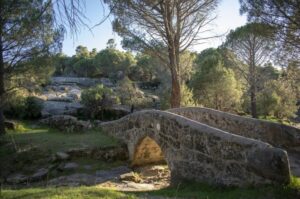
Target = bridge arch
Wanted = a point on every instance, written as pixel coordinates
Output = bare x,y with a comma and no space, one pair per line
147,151
199,152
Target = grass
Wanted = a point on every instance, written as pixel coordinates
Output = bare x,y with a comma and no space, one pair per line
64,193
30,146
186,190
53,140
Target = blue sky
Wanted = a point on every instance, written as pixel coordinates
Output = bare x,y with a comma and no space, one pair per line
228,18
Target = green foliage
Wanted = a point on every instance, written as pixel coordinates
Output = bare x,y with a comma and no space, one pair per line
110,61
277,99
82,52
85,67
213,84
145,68
130,95
187,97
97,99
33,108
22,106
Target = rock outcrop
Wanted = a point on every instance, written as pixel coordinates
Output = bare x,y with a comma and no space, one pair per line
67,123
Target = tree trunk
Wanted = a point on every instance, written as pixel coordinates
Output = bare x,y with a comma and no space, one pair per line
2,91
253,103
175,94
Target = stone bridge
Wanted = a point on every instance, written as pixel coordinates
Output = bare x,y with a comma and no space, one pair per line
208,146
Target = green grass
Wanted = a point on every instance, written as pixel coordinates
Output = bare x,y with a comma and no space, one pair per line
33,135
31,146
64,193
186,190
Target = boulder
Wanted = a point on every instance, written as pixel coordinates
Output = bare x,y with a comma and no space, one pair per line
61,156
16,178
70,166
66,123
39,174
61,107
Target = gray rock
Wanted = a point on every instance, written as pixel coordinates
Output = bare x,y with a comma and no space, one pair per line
61,108
62,156
70,166
17,178
67,123
40,174
113,173
76,179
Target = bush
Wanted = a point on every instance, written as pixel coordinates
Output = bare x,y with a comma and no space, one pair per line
21,107
97,99
130,95
33,108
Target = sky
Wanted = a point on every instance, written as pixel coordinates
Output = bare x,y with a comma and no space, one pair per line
228,17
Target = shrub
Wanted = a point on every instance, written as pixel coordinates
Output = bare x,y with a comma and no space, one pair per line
22,107
97,99
33,108
130,95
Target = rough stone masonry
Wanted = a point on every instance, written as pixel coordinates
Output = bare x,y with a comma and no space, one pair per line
196,151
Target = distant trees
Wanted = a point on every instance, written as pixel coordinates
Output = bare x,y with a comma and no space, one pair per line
214,84
110,61
26,32
252,44
174,24
277,99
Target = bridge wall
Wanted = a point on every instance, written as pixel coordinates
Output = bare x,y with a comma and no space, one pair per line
195,151
278,135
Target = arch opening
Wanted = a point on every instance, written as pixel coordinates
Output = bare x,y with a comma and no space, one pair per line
149,162
148,152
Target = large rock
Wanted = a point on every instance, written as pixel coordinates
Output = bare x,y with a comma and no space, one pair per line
66,123
60,108
17,178
82,81
39,174
61,156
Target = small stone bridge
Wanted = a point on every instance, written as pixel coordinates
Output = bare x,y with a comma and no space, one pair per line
208,146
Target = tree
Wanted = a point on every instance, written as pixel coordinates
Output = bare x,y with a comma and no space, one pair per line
174,24
26,32
213,84
277,99
82,52
252,44
109,61
284,15
111,44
